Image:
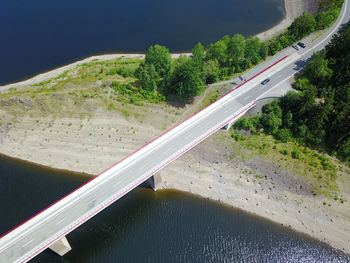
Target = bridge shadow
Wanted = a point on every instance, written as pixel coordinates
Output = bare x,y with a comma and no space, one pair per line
113,225
149,183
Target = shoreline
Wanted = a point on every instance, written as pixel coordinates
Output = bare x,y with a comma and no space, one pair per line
60,70
90,144
205,171
292,10
164,186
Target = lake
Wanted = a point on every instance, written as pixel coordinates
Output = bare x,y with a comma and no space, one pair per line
40,35
148,226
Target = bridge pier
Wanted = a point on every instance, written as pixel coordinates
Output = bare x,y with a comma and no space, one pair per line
61,246
154,181
228,126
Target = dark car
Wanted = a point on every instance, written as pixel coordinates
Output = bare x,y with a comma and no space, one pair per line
265,81
302,44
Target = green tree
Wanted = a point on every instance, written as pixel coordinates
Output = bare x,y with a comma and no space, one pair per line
236,48
284,135
324,20
147,76
317,71
302,26
217,51
185,81
271,122
210,71
159,57
288,120
263,51
301,84
198,53
251,51
274,46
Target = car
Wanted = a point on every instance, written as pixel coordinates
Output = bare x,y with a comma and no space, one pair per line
295,47
301,44
265,81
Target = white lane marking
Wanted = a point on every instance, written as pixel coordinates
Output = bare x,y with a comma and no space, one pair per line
168,150
143,166
188,136
117,183
59,222
26,244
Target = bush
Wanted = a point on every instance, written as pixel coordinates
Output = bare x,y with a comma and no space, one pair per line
285,152
243,124
284,135
296,154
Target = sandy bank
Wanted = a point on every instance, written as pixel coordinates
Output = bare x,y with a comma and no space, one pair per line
293,9
90,144
58,71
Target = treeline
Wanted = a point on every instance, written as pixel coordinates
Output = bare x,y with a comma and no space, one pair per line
305,24
186,77
319,114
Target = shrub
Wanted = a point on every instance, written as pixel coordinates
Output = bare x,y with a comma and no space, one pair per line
284,135
296,154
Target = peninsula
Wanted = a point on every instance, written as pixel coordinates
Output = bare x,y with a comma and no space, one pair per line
76,118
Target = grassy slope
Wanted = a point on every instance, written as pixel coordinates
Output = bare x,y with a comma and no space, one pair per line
79,92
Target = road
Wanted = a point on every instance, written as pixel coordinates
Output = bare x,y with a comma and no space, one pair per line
38,233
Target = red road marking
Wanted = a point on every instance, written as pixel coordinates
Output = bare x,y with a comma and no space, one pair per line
131,187
142,147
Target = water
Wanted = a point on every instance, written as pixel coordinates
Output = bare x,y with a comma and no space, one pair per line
39,35
145,226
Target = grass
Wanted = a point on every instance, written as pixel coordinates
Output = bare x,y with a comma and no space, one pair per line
79,88
316,168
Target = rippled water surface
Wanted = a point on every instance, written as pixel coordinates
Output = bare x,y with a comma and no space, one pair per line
147,226
39,35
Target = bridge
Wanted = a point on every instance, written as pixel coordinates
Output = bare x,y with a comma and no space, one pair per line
48,228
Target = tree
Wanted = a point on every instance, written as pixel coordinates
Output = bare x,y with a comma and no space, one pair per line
302,26
306,102
274,46
147,76
317,71
226,39
251,51
284,135
263,51
236,48
288,120
324,20
301,84
210,71
273,107
198,53
185,81
271,122
160,58
217,51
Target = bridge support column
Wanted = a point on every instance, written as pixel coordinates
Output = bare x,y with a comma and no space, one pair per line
61,246
155,181
227,126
